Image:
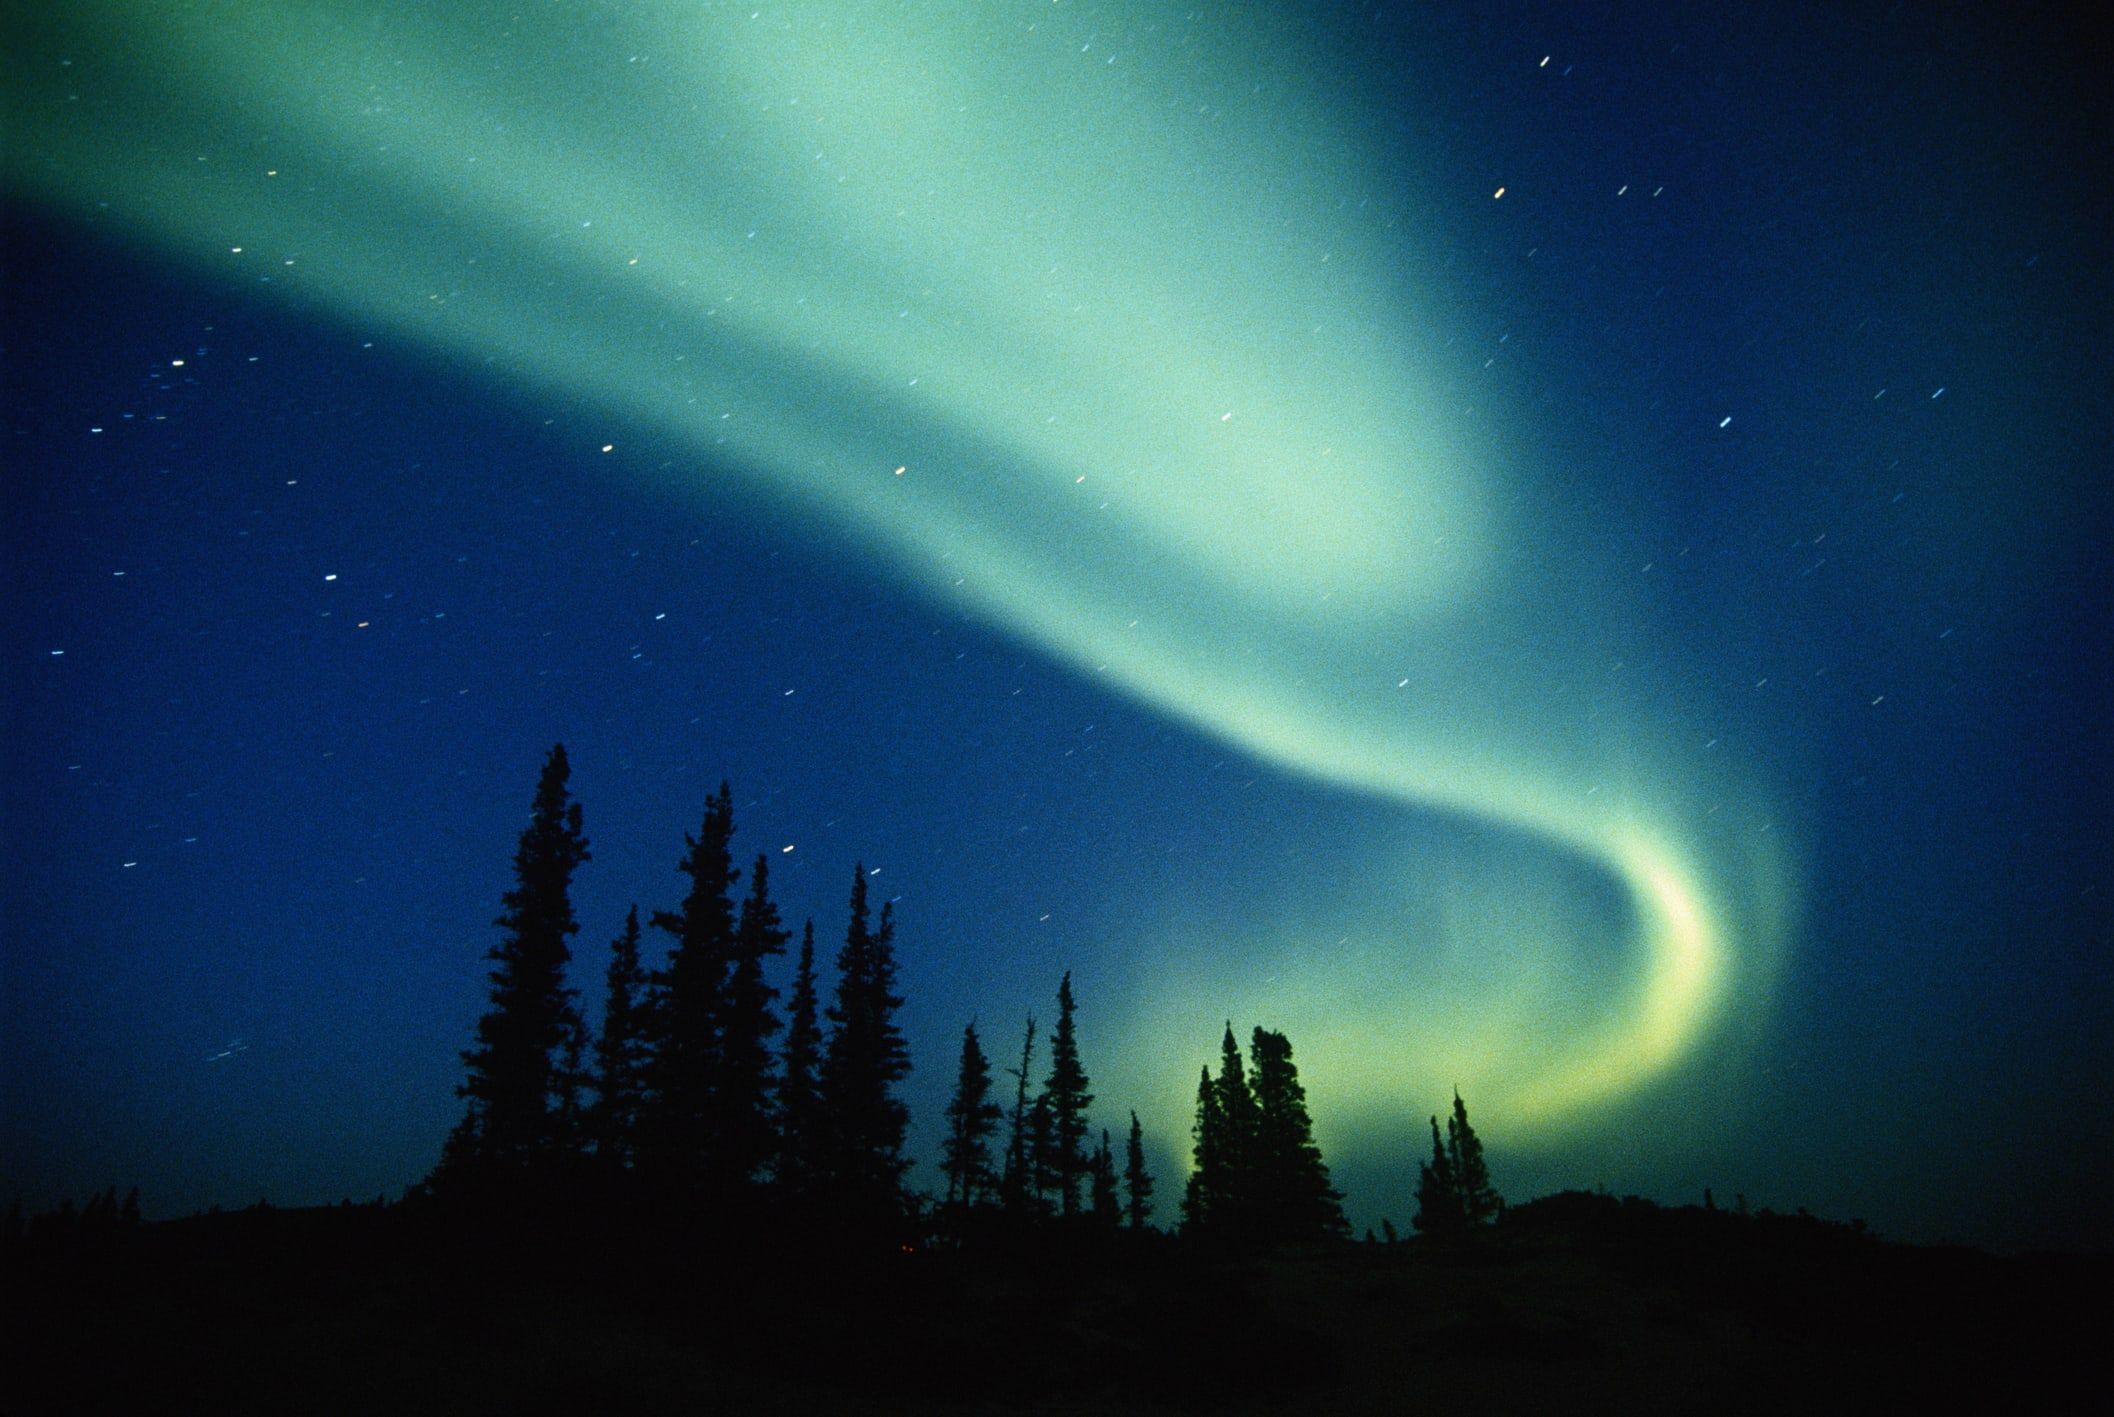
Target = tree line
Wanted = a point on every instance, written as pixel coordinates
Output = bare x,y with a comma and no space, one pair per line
683,1086
696,1087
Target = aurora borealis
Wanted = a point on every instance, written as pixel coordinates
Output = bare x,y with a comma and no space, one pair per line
1551,643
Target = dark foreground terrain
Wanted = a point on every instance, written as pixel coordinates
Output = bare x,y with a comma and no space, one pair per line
1577,1303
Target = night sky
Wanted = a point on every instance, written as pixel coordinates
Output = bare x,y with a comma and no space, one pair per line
1554,550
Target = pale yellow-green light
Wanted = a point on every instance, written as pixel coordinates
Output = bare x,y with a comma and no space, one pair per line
1116,355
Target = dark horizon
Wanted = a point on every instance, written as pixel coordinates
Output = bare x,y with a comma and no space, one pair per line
1579,580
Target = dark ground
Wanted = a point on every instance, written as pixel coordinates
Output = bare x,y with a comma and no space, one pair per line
1578,1303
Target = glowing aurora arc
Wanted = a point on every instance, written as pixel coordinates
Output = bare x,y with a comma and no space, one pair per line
1125,306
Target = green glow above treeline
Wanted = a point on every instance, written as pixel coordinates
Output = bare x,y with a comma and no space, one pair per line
1115,340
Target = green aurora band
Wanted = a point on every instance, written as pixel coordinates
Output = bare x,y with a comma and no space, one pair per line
1096,330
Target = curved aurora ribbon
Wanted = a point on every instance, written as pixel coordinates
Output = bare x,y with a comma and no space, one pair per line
1100,331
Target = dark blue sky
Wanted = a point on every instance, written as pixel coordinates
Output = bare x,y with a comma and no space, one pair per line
300,589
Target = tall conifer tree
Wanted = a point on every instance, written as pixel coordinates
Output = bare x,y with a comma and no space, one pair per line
743,1110
620,1052
1016,1185
1203,1195
865,1059
1291,1194
1234,1204
1258,1174
965,1155
689,999
1137,1181
1101,1171
1480,1202
1042,1154
516,1072
1438,1198
1066,1089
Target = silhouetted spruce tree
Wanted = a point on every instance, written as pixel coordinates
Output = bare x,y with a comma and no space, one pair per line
743,1110
1137,1181
1016,1184
1202,1197
865,1059
802,1135
1290,1189
1480,1203
681,1123
1235,1210
1068,1100
1438,1199
965,1155
1107,1209
1042,1154
620,1052
516,1070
